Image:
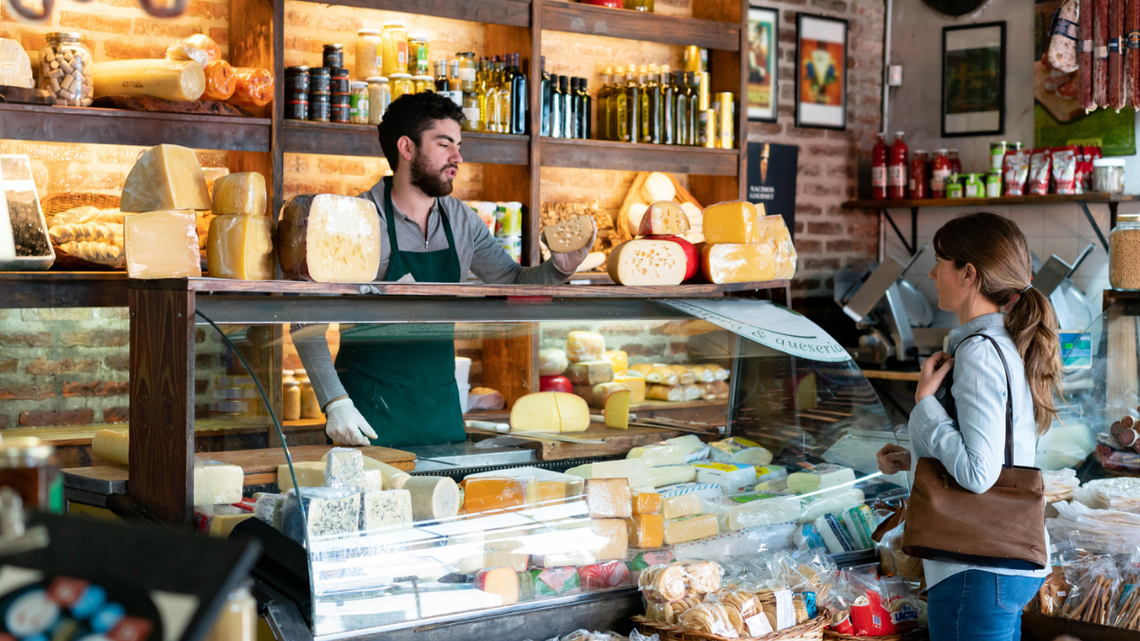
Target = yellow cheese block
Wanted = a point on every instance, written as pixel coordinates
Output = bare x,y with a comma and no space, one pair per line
646,503
178,80
617,410
774,232
609,498
222,524
162,244
113,446
737,263
241,247
165,177
635,385
309,474
483,494
241,193
643,262
646,531
731,222
675,507
618,358
584,346
557,490
615,533
590,372
691,528
328,238
550,412
596,395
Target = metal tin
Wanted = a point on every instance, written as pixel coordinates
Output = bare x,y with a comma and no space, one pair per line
297,109
320,111
339,113
708,128
333,55
693,59
725,108
339,86
296,79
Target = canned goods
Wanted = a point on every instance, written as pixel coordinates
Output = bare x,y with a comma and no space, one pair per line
339,113
333,55
320,80
726,122
297,79
993,184
997,154
708,128
297,109
340,86
320,111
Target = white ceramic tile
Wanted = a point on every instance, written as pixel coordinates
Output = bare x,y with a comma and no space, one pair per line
1030,220
1100,215
1060,221
1037,246
1064,248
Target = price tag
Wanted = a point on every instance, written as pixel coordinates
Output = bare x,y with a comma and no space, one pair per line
785,610
759,625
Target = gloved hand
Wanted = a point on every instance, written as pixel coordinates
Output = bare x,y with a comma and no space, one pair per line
569,261
345,425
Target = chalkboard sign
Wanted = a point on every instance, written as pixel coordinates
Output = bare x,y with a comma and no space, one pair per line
772,173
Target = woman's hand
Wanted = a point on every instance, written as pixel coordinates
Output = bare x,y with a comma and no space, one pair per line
934,372
893,459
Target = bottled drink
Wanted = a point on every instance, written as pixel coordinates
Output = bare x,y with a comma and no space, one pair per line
879,168
939,173
897,168
651,108
633,106
568,115
454,75
602,130
473,109
585,112
544,127
668,99
556,125
955,163
919,178
442,82
614,103
486,91
519,106
503,111
694,139
681,110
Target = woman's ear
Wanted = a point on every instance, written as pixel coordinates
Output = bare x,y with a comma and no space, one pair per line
969,275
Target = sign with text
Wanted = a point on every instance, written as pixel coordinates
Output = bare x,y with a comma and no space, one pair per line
768,324
772,179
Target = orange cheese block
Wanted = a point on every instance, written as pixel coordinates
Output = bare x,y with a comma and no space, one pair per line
663,218
738,263
482,494
646,531
731,222
647,262
646,503
555,490
616,535
609,498
503,582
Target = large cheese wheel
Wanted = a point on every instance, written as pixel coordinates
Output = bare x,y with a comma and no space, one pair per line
167,79
111,446
550,412
433,497
647,262
731,222
165,177
328,238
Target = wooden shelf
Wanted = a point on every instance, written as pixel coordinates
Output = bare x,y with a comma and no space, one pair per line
513,13
1051,199
303,137
603,154
635,25
143,128
63,289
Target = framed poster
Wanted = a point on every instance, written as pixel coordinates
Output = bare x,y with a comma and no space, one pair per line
821,72
973,80
763,54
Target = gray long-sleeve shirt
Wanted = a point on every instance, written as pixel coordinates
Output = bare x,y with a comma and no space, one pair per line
478,252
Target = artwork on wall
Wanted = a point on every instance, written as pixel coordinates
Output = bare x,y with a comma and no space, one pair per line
973,80
763,54
821,72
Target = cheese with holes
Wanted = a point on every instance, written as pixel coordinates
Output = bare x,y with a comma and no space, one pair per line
691,528
659,455
615,535
162,244
675,507
663,218
585,346
433,497
617,358
329,239
608,498
636,386
646,503
502,582
550,412
633,470
165,177
309,474
732,222
178,80
590,372
241,193
552,361
596,395
647,262
385,509
216,482
671,475
241,248
484,494
736,263
646,531
570,235
616,413
774,232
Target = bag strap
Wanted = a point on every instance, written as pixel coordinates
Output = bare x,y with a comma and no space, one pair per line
1008,397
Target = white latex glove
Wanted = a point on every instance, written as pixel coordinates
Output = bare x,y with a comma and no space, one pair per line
569,261
345,425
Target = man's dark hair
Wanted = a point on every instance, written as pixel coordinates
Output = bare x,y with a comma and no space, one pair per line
411,115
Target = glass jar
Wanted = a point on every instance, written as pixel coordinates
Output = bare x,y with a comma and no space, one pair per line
418,63
66,71
1108,175
237,620
290,397
395,48
467,72
358,103
379,97
333,56
401,83
424,83
639,5
1124,256
919,178
310,407
369,53
29,467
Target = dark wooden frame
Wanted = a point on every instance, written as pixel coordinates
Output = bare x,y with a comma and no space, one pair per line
775,55
799,72
1001,82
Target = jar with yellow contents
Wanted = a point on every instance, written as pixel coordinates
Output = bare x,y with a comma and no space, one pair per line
394,54
401,83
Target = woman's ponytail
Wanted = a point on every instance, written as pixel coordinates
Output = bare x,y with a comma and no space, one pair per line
1032,324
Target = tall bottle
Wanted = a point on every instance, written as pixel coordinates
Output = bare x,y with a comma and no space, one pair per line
633,109
897,168
615,121
680,109
694,139
442,82
602,130
879,155
506,101
668,105
544,88
454,76
650,105
519,106
568,115
556,125
585,111
486,94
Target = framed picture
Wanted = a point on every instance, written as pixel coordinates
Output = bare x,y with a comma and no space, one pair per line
763,54
973,80
821,72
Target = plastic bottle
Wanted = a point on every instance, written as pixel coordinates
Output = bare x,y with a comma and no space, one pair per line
897,169
879,169
939,172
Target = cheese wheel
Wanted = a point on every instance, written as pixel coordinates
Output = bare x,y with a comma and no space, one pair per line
241,248
328,238
552,361
550,412
165,177
433,497
178,80
647,262
241,193
585,346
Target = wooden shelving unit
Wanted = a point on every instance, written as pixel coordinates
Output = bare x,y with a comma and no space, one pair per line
558,15
603,154
363,140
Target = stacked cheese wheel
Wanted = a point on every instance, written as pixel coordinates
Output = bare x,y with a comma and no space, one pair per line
659,256
742,245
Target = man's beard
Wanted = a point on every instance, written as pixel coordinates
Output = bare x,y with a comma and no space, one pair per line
429,180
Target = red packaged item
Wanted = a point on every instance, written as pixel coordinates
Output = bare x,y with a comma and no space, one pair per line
897,168
939,173
1064,161
869,617
1038,182
254,87
1084,55
919,180
1016,172
609,574
879,168
1091,154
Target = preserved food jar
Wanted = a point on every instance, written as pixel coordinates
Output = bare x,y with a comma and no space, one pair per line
1124,256
919,177
401,83
897,168
418,64
467,72
639,5
939,172
953,187
29,467
379,97
290,396
66,70
369,53
997,154
879,168
1108,175
358,103
423,83
955,163
333,56
395,49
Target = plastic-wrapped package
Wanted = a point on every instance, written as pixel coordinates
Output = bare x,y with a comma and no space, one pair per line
1095,581
328,238
609,498
177,80
485,494
892,557
1016,172
604,575
1106,531
1060,485
198,47
1039,171
220,81
254,87
1051,597
752,510
664,583
552,361
584,346
1128,604
162,244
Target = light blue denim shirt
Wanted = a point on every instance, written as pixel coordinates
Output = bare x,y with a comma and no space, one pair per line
973,447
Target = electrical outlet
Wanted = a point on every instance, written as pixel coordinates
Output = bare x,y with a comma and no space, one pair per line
894,76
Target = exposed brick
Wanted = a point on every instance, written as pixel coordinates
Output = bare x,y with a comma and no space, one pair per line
44,367
96,338
845,246
3,422
44,418
825,229
56,313
39,339
132,50
118,362
640,349
210,10
808,209
821,263
817,189
620,329
96,388
767,128
8,365
199,335
116,415
90,21
26,392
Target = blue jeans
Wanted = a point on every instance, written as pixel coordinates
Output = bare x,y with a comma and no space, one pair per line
979,606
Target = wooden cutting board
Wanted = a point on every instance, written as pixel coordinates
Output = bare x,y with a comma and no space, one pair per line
615,442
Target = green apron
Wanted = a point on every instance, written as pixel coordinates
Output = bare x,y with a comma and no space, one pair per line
402,377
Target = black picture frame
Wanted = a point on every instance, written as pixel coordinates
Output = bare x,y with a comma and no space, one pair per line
969,51
760,18
819,41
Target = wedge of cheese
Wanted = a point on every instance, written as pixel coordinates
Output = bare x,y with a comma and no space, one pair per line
165,177
385,509
550,412
737,263
162,244
585,346
732,222
647,262
633,470
597,395
774,232
617,410
433,497
327,238
691,528
241,193
663,218
241,248
216,483
570,235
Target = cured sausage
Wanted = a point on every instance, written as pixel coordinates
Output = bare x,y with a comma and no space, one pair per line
1084,55
1100,52
1116,54
1132,28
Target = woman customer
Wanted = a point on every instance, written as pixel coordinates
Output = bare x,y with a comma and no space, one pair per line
983,275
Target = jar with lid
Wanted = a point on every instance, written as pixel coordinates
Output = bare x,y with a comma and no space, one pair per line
290,396
379,97
237,620
333,55
1108,175
1124,256
467,71
66,70
358,103
993,184
639,5
418,63
395,48
28,466
424,83
369,53
401,83
310,407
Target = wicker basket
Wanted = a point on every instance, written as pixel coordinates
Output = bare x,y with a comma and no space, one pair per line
917,634
807,631
58,203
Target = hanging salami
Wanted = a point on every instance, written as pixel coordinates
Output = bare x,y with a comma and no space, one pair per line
1132,28
1084,54
1100,52
1116,54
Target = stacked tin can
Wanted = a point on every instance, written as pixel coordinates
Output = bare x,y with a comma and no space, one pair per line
320,96
338,82
297,93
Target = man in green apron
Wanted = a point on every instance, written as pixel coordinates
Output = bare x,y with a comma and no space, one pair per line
394,385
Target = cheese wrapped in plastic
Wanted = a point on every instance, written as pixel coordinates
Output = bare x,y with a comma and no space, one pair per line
646,531
241,193
199,47
162,244
165,177
178,80
328,238
220,81
254,87
618,358
596,395
552,361
732,222
737,263
774,231
659,455
584,346
484,494
590,372
241,248
609,498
